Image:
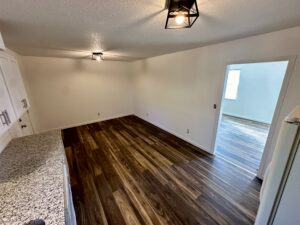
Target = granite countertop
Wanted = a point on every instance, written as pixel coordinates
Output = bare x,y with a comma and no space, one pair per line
32,180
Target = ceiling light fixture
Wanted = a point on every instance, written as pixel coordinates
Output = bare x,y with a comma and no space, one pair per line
98,56
181,14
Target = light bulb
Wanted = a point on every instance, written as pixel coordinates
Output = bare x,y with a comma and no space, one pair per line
179,19
98,58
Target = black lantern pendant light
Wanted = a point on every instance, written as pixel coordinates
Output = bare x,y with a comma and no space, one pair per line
181,14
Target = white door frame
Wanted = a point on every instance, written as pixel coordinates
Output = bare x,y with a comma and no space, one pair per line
291,62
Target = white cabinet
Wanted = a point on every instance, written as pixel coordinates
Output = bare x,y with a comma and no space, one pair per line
13,98
16,89
7,114
25,125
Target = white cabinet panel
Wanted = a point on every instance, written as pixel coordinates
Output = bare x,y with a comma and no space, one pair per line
16,89
25,125
7,115
13,97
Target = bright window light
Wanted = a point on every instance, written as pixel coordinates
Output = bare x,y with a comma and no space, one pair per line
232,85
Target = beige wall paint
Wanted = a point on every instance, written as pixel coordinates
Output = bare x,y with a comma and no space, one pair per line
177,91
68,92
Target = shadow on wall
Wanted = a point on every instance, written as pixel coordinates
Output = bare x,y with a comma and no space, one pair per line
89,66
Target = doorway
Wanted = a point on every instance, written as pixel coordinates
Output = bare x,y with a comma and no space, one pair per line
251,93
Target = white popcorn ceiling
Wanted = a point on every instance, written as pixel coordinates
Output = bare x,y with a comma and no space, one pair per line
133,29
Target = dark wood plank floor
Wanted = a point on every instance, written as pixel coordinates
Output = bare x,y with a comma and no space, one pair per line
242,142
126,171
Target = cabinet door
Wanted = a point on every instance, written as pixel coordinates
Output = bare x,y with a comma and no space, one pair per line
25,124
7,115
16,89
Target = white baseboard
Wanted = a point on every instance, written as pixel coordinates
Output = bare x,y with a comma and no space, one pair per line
83,123
149,121
246,118
175,134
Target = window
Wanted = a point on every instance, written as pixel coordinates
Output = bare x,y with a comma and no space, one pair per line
232,84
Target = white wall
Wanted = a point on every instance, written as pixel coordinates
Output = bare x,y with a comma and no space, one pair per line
68,92
177,91
258,91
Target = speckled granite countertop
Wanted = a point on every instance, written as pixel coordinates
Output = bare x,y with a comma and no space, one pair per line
31,180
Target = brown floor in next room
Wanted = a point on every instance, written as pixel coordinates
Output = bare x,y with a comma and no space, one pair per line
242,142
127,171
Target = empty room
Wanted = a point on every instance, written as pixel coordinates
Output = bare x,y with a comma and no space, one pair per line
251,94
138,112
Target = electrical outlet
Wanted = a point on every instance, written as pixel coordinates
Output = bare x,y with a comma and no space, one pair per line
147,114
187,131
98,114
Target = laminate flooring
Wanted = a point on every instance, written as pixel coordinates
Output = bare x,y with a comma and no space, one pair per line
242,142
127,171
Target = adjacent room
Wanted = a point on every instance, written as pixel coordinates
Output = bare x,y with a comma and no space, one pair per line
138,112
249,102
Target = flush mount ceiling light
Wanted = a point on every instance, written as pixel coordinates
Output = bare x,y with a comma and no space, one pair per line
181,13
98,56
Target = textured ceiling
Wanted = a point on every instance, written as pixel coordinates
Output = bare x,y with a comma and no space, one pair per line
133,29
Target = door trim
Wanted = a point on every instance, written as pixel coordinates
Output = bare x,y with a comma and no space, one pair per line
275,121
